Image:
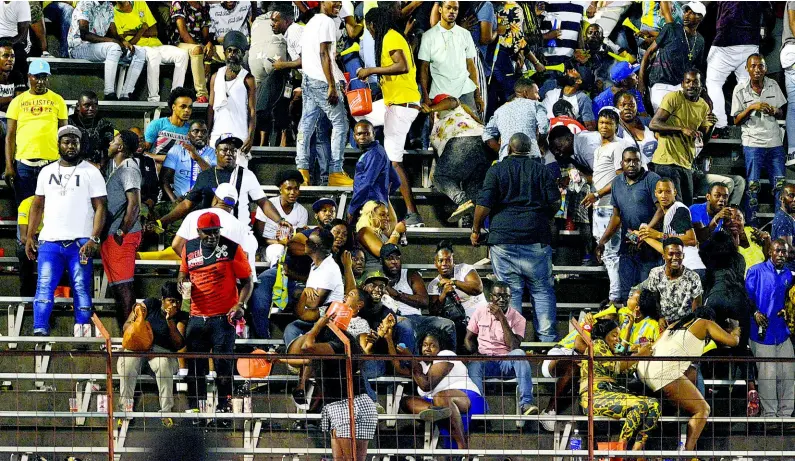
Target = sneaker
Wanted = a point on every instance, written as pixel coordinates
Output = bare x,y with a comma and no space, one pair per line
45,54
380,409
548,424
202,100
433,414
111,97
414,220
299,398
125,98
529,409
753,403
221,422
463,209
340,179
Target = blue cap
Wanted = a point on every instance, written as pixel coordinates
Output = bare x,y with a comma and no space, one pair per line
622,70
39,66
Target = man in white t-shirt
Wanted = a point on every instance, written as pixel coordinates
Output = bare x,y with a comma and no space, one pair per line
606,166
14,25
286,203
226,16
322,92
72,196
323,286
224,201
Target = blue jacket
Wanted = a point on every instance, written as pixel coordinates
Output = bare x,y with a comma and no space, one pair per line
375,178
768,290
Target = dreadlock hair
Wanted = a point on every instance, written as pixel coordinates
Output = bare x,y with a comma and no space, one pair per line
382,20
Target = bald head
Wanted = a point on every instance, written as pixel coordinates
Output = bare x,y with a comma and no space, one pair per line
520,144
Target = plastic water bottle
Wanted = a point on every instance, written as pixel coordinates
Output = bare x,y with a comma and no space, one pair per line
575,444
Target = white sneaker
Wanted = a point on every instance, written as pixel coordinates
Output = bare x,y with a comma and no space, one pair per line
549,425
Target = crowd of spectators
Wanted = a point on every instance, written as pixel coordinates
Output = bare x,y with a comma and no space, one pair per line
538,113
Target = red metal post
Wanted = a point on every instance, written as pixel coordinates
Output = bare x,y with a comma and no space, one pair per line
349,375
587,339
109,382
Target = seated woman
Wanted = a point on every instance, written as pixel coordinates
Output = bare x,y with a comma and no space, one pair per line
463,158
685,338
446,394
609,398
168,327
376,226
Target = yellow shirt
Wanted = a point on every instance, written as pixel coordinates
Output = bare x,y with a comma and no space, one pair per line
647,328
754,254
139,15
23,213
37,124
398,89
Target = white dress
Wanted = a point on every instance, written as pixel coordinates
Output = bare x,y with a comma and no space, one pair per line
679,343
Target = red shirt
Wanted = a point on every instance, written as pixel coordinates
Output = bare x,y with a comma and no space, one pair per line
214,279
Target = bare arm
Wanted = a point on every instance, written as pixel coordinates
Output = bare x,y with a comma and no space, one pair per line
658,123
425,80
184,35
251,87
11,144
472,284
22,32
179,212
644,64
100,205
325,62
211,101
471,342
399,66
420,297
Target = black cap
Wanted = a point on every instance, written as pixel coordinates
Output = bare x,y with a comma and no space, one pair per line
227,138
389,249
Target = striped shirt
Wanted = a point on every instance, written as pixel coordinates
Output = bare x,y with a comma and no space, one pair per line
566,17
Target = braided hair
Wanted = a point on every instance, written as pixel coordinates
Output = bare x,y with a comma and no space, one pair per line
382,20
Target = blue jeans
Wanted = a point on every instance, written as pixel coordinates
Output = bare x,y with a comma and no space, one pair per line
261,300
204,334
111,54
771,159
320,149
531,266
314,102
789,81
421,323
295,329
519,369
633,269
60,13
53,258
601,219
25,184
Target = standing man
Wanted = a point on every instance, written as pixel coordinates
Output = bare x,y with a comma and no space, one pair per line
682,118
166,132
634,204
523,114
124,229
93,36
71,195
11,80
676,49
97,131
321,92
375,178
757,105
447,60
783,221
736,38
607,166
33,118
213,265
768,284
497,330
232,97
520,196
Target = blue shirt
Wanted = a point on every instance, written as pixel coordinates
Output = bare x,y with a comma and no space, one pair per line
185,168
163,135
699,214
484,14
768,288
518,116
783,225
605,98
375,178
636,204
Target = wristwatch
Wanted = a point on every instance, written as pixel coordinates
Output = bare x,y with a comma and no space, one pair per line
596,194
95,239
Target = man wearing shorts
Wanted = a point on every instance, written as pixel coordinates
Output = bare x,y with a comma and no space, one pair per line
123,226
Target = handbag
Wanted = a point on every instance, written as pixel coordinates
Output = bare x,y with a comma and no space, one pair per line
138,337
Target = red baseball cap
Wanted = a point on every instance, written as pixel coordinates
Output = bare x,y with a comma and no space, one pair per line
209,221
440,97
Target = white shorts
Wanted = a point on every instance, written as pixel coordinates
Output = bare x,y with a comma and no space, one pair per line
555,351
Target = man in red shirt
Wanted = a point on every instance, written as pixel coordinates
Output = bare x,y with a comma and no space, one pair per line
213,265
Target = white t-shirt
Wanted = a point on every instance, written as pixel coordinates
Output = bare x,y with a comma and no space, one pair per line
298,217
69,216
606,160
327,276
319,29
460,273
231,228
447,52
556,94
293,36
458,378
12,13
676,222
223,20
648,138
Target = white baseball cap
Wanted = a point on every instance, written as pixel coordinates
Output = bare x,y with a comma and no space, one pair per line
227,193
696,7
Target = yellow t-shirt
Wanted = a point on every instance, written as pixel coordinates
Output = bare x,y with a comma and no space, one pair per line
23,213
676,148
139,15
37,124
647,328
754,254
398,89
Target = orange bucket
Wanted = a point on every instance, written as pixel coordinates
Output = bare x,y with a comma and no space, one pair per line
360,101
249,367
610,446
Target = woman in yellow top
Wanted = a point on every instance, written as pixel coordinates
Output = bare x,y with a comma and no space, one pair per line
609,398
401,95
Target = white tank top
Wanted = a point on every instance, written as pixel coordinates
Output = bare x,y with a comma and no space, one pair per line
231,107
402,286
679,343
